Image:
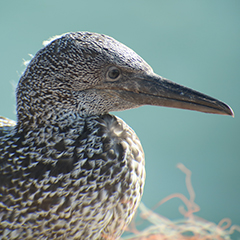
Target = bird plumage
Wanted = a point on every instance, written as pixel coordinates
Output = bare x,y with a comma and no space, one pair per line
69,169
69,183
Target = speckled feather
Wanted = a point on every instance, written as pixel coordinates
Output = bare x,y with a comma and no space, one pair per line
69,170
59,183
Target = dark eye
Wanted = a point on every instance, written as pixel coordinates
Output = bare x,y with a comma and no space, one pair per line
113,73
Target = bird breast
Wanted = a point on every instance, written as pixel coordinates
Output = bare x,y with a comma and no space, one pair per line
60,177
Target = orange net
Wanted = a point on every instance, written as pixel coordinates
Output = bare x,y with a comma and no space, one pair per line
190,227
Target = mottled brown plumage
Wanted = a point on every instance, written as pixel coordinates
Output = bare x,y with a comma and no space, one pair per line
69,169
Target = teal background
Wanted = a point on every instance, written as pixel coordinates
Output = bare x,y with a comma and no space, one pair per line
194,43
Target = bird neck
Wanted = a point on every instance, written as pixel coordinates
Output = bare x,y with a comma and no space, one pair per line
40,103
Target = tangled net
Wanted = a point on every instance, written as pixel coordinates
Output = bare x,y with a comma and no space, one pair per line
190,227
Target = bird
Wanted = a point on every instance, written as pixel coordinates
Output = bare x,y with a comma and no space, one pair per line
68,168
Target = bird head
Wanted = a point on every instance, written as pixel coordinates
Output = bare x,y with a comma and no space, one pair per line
93,74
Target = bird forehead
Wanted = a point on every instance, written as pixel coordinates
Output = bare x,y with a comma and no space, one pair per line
109,48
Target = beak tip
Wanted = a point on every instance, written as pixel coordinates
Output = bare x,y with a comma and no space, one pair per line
228,111
231,112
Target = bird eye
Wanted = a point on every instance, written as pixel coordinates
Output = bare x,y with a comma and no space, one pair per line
113,73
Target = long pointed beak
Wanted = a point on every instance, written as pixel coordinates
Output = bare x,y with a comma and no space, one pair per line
155,90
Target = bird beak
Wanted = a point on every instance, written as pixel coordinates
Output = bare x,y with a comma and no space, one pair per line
155,90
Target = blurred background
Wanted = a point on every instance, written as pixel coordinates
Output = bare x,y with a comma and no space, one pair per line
194,43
